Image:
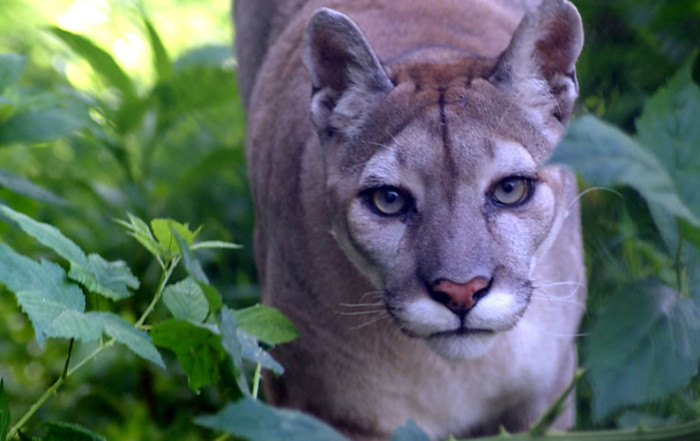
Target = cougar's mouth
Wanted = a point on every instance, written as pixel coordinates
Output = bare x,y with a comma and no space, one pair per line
461,332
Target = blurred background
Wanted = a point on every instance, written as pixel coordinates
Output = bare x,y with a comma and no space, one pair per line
116,106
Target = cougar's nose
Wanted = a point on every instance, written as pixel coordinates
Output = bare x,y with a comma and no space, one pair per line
459,297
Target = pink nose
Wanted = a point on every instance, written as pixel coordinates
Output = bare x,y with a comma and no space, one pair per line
460,296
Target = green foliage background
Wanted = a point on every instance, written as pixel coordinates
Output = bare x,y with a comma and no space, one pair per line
157,130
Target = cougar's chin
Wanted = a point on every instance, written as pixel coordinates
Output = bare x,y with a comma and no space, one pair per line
461,345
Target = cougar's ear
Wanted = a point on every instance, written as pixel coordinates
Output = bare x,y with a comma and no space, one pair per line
539,64
342,65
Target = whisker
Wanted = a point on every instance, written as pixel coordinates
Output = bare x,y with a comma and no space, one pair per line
589,190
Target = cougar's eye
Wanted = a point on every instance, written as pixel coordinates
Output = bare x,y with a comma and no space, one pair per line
512,191
388,201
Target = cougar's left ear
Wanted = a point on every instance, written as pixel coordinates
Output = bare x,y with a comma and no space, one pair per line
539,64
342,66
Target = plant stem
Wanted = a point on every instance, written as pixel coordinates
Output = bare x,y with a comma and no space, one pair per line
256,380
70,351
223,437
541,426
161,287
54,387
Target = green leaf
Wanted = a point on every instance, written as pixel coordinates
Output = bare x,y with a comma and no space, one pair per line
125,333
191,263
644,345
161,61
186,301
69,432
669,129
110,279
91,325
251,351
210,55
11,68
42,289
606,156
267,324
139,230
100,60
163,231
213,296
4,412
209,244
230,342
198,350
26,188
37,126
255,421
410,432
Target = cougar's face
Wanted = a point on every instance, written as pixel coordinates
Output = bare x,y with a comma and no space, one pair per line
444,213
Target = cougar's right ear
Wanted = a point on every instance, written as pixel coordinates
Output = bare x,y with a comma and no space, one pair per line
342,65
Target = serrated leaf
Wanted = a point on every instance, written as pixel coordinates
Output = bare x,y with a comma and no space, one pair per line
267,324
100,60
198,350
255,421
11,69
606,156
140,231
191,263
69,432
125,333
110,279
644,346
4,412
26,188
410,432
47,235
161,61
76,324
163,232
251,351
230,342
668,127
186,301
42,289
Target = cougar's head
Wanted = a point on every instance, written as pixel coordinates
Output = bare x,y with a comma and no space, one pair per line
435,184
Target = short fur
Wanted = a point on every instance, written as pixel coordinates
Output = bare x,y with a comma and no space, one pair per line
443,102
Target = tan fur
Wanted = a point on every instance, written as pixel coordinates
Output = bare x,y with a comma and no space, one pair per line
440,100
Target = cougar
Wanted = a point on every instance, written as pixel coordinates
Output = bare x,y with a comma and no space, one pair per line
407,220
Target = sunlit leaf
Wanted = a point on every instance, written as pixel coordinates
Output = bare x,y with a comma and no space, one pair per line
252,420
4,412
100,60
27,188
161,61
163,232
644,345
198,350
42,289
210,55
69,432
410,432
267,324
70,323
186,301
210,244
11,69
140,231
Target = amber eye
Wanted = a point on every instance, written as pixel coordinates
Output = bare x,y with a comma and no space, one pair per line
512,191
388,201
